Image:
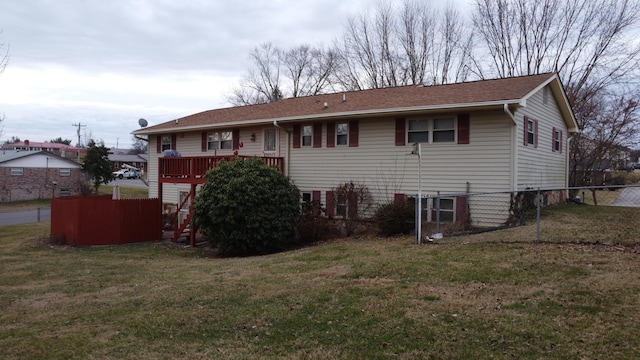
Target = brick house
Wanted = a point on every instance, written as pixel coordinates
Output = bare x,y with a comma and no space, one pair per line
30,175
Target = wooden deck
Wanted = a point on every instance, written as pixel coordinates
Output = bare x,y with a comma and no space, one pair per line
192,169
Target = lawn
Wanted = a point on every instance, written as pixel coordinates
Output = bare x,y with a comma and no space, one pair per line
574,295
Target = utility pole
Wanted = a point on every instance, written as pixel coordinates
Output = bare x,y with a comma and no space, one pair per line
78,125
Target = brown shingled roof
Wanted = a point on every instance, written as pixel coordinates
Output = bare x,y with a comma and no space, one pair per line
365,102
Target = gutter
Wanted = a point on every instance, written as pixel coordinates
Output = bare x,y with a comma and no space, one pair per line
287,152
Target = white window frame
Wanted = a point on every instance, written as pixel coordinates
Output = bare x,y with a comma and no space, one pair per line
65,171
306,133
165,142
429,128
531,132
445,210
220,140
342,134
557,139
17,171
266,144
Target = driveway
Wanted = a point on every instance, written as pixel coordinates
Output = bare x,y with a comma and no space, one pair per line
25,216
629,197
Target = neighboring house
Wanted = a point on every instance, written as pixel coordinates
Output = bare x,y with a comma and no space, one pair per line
121,156
62,150
30,175
490,135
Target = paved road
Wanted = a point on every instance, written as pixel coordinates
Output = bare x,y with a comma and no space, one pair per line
25,216
629,196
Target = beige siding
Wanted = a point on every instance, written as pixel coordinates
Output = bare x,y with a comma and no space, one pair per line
541,167
387,169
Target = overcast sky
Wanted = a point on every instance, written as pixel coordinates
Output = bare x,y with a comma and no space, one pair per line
106,64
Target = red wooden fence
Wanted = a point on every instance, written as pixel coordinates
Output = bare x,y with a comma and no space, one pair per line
99,220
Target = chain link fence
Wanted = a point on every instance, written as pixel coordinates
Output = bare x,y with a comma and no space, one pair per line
451,214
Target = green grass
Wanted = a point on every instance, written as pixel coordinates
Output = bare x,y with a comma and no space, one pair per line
488,295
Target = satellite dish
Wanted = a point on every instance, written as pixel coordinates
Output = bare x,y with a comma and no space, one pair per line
142,122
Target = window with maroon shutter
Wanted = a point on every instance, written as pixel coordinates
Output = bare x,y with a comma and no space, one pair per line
352,205
400,131
556,143
530,132
174,140
353,133
398,197
316,197
166,142
204,138
331,134
317,135
463,128
158,144
296,136
235,138
331,206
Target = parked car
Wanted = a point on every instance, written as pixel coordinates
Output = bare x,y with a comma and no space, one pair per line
125,174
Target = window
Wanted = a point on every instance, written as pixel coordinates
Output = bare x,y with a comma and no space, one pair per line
418,131
341,205
306,197
16,171
307,135
219,140
65,172
270,140
65,192
342,134
530,132
557,140
166,142
444,130
446,210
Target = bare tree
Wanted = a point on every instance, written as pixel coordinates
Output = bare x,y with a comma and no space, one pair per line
590,44
299,71
411,45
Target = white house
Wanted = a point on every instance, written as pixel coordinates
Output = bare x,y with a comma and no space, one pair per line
481,136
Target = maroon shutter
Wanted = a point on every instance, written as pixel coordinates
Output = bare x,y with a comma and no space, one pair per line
353,133
331,207
315,196
535,133
235,139
553,139
526,130
331,134
205,137
158,144
463,128
296,136
561,141
398,198
400,131
174,139
352,205
461,209
317,135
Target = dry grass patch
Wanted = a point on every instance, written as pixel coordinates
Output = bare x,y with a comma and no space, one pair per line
497,294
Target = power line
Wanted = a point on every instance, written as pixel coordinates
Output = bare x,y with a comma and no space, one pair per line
78,125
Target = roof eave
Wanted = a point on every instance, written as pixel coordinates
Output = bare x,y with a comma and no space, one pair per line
347,114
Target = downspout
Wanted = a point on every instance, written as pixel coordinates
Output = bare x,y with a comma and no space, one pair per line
514,147
287,152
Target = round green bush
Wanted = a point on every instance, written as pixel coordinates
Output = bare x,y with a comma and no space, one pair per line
395,218
247,208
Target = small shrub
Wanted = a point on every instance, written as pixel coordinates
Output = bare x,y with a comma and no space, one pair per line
313,226
247,208
395,218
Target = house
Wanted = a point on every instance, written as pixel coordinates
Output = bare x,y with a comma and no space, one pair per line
490,135
119,157
63,150
30,175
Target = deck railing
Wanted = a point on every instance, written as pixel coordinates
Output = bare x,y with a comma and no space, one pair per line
192,169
